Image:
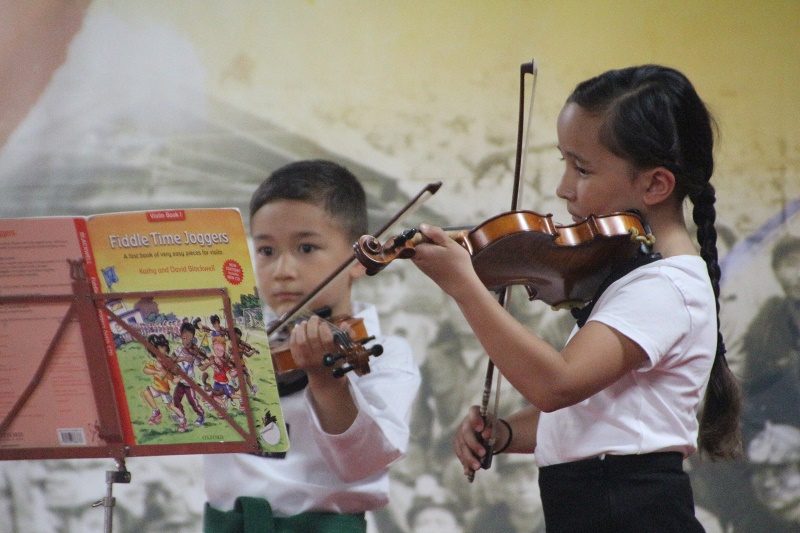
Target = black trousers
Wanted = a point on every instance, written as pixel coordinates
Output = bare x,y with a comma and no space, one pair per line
619,494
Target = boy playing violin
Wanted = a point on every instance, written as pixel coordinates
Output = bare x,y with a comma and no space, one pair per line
344,432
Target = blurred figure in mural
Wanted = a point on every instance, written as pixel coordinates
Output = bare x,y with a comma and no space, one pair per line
771,347
435,514
58,496
774,456
769,366
512,502
448,383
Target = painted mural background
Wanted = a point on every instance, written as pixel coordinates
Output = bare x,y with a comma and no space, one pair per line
114,106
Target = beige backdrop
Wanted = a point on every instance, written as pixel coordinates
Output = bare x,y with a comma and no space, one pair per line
115,105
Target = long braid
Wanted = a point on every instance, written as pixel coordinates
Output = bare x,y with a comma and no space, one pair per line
720,432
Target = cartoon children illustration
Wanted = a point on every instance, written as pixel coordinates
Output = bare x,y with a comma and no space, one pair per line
162,380
216,327
245,351
203,335
221,365
187,356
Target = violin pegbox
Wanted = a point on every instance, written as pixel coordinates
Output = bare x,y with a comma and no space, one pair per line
354,354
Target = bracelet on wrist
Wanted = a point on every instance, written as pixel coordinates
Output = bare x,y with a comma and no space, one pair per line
508,441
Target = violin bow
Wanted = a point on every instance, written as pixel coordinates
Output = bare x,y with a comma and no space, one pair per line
503,295
420,198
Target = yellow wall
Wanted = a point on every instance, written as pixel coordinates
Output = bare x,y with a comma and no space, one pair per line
418,86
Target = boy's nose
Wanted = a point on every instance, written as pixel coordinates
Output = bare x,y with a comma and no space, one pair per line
284,267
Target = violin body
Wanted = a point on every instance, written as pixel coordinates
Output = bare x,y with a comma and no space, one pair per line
560,265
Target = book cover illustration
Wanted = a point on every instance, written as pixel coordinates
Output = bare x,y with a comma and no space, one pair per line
184,250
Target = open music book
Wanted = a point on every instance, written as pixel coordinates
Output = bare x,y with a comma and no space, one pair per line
109,340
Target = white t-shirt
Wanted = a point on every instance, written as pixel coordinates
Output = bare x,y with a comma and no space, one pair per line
667,307
344,473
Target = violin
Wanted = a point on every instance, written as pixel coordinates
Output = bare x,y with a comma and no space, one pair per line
353,355
560,265
195,351
247,347
242,344
223,331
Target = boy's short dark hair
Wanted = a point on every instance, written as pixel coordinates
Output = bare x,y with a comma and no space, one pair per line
320,182
186,326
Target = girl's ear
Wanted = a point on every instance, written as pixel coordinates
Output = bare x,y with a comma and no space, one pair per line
659,185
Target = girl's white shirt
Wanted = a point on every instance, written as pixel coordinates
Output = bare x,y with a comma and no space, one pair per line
668,308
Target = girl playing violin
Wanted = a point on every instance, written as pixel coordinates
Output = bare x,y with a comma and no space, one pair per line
614,413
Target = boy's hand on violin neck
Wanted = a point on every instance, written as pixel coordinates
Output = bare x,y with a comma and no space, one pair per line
309,342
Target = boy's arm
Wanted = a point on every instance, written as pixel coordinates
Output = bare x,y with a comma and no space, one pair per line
332,402
379,434
330,397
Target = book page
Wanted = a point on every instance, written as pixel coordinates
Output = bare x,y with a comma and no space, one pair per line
185,250
61,411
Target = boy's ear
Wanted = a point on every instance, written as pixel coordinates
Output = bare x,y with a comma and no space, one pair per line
659,185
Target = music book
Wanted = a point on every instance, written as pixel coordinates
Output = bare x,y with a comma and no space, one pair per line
136,333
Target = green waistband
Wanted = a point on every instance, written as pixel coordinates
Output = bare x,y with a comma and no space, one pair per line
254,515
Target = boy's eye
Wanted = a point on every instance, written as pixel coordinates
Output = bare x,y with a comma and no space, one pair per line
307,248
265,251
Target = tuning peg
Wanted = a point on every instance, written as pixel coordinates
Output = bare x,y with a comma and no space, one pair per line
342,370
330,359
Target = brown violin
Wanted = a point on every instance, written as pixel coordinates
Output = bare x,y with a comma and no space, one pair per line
244,346
353,355
562,265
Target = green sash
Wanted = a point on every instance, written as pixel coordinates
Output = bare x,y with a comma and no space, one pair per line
254,515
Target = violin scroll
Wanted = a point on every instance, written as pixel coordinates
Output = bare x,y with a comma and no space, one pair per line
376,256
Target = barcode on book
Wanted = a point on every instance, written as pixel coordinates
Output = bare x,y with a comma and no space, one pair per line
71,437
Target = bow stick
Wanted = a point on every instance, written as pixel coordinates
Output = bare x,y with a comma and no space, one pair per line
502,295
420,198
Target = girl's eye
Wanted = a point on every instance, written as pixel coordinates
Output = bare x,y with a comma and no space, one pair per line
266,251
307,248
